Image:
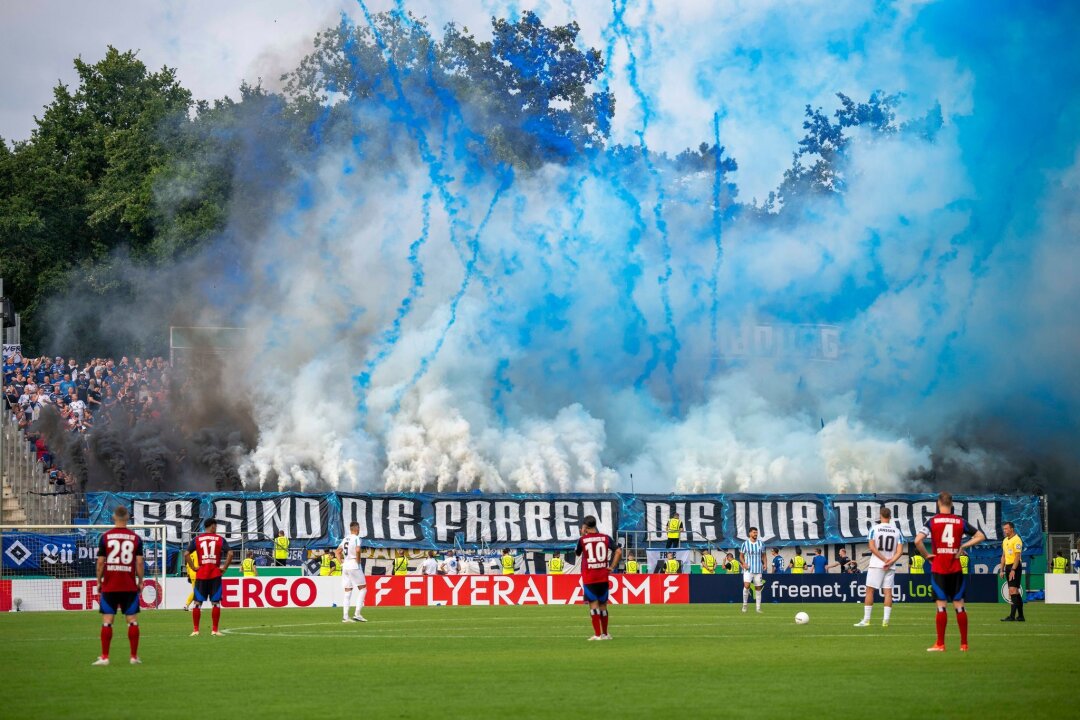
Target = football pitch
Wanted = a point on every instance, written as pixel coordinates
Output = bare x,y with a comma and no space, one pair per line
534,662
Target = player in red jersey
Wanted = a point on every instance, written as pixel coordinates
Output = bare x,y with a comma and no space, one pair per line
946,531
120,568
215,556
599,556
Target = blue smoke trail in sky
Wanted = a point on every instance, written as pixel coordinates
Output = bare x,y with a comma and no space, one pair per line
717,232
474,249
619,29
451,204
388,339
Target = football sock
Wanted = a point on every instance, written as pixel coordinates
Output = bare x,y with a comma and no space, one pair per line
962,621
190,599
867,609
106,638
596,622
361,596
757,597
345,605
196,615
745,595
888,612
215,615
603,622
1012,606
942,621
133,638
1019,605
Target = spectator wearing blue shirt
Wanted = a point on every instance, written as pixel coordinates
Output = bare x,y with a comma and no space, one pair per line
778,565
818,562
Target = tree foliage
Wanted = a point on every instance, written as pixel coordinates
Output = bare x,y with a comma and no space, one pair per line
819,166
526,97
85,183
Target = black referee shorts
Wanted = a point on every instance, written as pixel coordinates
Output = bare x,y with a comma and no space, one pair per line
1013,580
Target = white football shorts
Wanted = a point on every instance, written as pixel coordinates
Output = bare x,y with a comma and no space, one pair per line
352,578
880,578
754,579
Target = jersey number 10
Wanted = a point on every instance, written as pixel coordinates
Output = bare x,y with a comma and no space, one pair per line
596,552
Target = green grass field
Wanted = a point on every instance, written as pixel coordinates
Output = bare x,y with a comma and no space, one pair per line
534,662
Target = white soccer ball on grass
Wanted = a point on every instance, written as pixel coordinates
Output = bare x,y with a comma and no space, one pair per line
801,618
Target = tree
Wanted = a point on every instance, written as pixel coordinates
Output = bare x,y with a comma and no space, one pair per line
525,96
117,165
818,166
83,184
529,89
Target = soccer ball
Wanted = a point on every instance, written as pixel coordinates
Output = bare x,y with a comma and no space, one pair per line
801,618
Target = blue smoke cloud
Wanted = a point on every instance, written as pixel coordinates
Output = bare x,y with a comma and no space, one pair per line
459,325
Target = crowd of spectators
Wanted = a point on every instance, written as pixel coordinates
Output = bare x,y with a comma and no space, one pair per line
101,392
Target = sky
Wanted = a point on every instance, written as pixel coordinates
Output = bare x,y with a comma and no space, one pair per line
213,45
691,57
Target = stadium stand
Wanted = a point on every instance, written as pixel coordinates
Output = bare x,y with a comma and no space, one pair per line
102,391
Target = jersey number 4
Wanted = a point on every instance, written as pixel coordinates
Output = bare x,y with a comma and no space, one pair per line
947,536
596,552
121,552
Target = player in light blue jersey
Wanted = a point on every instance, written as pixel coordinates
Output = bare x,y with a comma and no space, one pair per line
752,557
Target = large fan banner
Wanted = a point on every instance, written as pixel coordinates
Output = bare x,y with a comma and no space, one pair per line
426,520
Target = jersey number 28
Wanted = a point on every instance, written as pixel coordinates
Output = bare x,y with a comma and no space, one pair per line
120,552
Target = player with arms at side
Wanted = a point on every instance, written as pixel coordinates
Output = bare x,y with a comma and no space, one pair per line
752,557
946,531
599,556
120,568
886,547
1012,551
214,557
352,575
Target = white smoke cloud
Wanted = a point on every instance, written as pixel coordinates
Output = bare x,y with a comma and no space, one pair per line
748,431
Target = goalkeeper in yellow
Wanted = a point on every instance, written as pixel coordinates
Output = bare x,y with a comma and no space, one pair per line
191,569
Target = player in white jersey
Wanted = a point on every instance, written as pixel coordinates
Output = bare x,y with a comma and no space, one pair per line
352,575
752,558
887,546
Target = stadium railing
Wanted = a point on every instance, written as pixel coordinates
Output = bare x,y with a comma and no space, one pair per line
25,483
